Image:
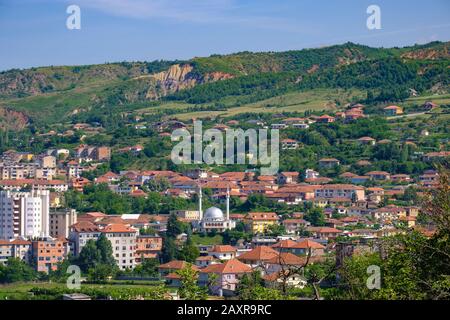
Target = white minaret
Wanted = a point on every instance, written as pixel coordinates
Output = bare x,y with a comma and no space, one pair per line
200,202
228,204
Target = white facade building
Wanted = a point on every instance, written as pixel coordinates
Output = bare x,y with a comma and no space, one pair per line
24,214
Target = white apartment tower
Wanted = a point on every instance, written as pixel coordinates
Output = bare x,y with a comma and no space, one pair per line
24,214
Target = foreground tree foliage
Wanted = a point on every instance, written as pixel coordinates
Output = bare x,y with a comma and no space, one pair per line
189,288
16,270
412,265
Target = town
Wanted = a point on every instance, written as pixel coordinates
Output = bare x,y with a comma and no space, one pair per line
76,206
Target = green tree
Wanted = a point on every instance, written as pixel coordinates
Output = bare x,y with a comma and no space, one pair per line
16,270
105,249
315,216
189,289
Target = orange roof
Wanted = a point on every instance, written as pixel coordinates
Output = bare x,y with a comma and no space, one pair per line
177,265
85,226
261,253
116,227
262,216
222,248
306,244
286,258
284,244
324,230
231,266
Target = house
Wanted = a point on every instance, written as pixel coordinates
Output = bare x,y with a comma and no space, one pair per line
169,271
277,280
401,178
393,110
284,261
311,174
367,141
109,178
289,144
222,279
348,191
303,247
325,119
259,222
258,256
204,261
174,266
293,226
328,163
359,179
428,106
324,233
288,177
432,156
279,126
379,175
222,252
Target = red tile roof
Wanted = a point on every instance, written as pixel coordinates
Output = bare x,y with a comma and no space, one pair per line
232,266
261,253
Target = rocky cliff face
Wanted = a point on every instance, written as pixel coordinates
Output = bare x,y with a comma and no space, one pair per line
179,77
429,53
12,120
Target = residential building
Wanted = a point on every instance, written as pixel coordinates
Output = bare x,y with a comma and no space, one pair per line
147,247
15,248
222,252
226,276
80,233
60,222
123,242
24,214
393,110
48,252
259,222
329,163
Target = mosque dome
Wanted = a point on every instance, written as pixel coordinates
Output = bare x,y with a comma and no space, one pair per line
213,213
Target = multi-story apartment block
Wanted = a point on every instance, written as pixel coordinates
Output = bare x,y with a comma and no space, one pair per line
48,252
123,241
349,191
80,233
24,214
87,154
60,222
147,247
17,248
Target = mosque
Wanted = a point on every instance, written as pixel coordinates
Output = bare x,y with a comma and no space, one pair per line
213,218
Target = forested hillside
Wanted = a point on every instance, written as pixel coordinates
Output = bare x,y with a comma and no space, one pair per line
49,94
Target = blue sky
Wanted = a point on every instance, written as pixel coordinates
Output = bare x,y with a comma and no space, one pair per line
34,33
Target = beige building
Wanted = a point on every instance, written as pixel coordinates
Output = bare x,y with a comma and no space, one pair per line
60,222
349,191
190,215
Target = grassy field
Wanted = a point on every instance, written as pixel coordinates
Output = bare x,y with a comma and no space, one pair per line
316,100
197,239
22,290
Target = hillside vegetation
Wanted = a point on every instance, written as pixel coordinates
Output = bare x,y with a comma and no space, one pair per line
47,95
